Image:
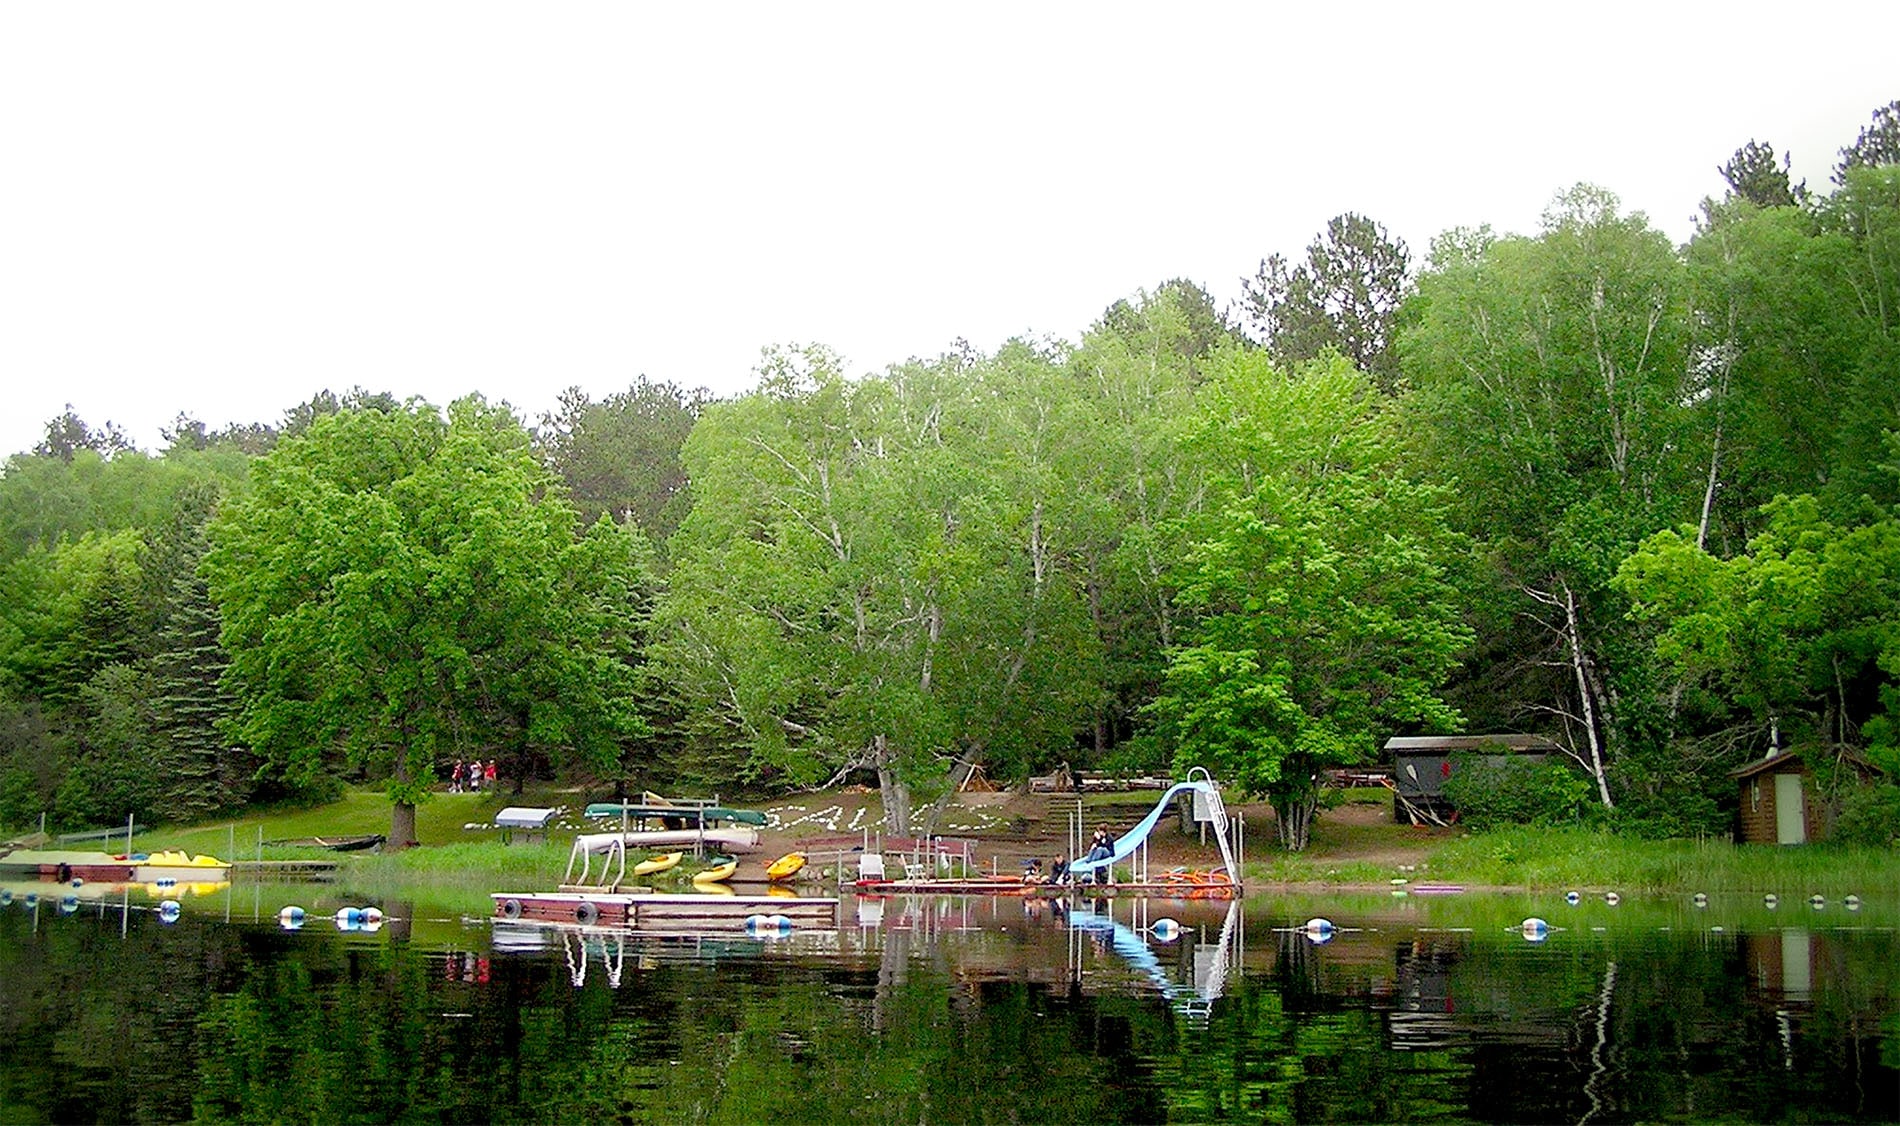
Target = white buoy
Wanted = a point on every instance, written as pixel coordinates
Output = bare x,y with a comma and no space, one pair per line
78,882
1612,898
68,904
1817,901
1572,898
1534,929
1700,899
1771,901
290,918
779,923
754,922
32,900
1319,930
1852,902
1167,930
6,897
372,917
168,911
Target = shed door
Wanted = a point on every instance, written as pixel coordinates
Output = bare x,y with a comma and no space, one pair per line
1791,823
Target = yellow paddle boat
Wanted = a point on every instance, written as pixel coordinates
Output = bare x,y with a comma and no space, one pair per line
785,867
722,869
658,863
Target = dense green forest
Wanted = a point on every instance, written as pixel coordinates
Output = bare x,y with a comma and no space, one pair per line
1640,497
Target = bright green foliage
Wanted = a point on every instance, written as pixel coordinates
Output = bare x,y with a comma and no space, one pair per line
71,612
869,574
402,586
1800,635
1322,615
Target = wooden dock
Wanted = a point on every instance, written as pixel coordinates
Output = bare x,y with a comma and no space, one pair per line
1162,889
660,911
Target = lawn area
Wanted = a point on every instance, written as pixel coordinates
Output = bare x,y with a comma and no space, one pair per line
363,809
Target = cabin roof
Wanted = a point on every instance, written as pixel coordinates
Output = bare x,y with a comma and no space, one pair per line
1440,744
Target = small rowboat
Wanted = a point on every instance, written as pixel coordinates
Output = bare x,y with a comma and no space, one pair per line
658,863
721,870
785,867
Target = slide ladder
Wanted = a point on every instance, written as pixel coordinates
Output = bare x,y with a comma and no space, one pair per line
1131,840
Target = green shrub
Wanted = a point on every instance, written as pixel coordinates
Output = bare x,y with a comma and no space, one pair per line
1512,790
1869,815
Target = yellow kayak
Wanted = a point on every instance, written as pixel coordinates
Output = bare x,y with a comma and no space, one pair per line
658,863
785,866
717,872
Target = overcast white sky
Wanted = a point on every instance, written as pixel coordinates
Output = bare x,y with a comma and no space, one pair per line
221,208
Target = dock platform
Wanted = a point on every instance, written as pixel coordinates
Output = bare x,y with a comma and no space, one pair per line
1161,889
659,910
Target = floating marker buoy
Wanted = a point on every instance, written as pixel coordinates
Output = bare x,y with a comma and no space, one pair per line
1817,901
779,923
1534,929
290,918
754,922
1612,898
1319,930
372,917
1770,901
68,904
1572,898
32,900
1700,899
1167,930
1852,902
6,897
1717,930
168,911
78,882
349,916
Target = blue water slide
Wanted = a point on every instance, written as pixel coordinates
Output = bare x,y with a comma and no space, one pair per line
1131,840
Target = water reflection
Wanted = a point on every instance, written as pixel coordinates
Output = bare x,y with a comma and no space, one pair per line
953,1009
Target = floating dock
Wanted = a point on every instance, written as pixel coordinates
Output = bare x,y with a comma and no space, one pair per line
658,910
1002,885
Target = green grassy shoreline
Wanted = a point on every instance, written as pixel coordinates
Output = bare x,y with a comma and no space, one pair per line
460,851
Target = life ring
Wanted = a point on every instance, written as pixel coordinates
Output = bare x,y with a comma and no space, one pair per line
586,914
511,908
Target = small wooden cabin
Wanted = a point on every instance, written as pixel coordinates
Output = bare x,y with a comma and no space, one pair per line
1776,801
1421,763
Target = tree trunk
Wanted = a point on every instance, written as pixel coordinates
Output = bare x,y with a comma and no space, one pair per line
1295,816
402,824
895,793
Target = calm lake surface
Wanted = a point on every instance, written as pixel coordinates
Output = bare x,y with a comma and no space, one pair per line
955,1010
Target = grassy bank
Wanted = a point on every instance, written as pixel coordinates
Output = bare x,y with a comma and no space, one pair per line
1586,860
1345,853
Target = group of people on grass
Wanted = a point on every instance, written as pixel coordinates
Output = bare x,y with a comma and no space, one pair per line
1101,847
471,777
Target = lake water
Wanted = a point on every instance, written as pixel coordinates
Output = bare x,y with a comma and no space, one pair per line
956,1010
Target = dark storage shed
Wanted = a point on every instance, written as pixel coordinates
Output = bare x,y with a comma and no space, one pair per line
1421,763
